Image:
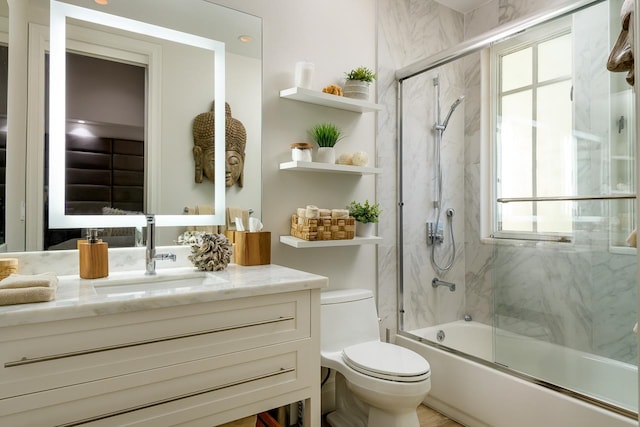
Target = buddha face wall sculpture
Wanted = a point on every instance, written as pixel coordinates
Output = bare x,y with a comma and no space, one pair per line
235,143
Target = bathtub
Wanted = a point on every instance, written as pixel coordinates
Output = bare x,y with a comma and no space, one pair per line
478,393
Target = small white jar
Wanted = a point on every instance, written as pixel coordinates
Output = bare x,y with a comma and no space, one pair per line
301,151
304,74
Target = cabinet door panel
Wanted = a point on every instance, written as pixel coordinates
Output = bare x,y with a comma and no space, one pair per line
64,356
184,391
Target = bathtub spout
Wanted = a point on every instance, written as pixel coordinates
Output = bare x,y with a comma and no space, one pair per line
437,282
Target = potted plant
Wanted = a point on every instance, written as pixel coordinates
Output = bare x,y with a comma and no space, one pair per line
366,215
326,135
357,84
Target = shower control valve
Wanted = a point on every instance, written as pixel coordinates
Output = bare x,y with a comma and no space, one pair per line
434,235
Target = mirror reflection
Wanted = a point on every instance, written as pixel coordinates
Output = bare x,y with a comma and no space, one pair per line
195,74
162,169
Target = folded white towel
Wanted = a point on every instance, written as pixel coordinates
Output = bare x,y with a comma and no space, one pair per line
44,280
324,212
302,212
23,289
232,214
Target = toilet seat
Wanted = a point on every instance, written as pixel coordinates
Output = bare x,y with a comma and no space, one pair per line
386,361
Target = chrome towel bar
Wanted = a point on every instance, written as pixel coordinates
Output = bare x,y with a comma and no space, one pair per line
565,198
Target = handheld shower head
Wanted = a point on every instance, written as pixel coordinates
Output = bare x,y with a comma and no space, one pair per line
451,110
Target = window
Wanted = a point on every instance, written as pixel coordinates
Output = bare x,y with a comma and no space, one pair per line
533,144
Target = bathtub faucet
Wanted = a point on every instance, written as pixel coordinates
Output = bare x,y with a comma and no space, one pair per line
437,282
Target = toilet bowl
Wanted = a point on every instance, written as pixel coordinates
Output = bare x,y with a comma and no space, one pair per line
378,384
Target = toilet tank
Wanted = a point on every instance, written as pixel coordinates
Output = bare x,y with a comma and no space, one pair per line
347,317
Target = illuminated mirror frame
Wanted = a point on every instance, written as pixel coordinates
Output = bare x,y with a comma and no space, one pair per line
59,12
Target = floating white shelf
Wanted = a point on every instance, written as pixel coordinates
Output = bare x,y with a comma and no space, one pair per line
328,100
328,167
356,241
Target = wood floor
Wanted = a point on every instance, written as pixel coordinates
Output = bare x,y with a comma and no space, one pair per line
430,418
427,417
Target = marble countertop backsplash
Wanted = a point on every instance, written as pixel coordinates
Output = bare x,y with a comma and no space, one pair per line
65,263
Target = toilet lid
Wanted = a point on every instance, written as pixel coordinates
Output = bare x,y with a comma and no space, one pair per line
386,361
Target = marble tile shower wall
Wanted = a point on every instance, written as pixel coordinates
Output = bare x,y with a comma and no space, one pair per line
409,30
423,304
591,294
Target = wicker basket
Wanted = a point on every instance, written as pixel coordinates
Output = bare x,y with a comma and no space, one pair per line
8,266
324,228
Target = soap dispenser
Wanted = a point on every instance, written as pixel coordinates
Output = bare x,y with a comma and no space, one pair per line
93,256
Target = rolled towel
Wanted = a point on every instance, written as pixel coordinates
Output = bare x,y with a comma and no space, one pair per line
339,213
324,212
632,240
312,211
302,212
23,289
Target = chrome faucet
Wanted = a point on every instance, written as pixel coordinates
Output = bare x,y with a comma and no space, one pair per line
150,253
437,282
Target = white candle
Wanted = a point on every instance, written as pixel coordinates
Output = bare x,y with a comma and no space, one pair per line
304,74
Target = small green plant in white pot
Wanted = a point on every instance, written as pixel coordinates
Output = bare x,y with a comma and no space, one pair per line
366,215
326,135
357,83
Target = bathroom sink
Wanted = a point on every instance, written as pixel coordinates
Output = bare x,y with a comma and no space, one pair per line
169,280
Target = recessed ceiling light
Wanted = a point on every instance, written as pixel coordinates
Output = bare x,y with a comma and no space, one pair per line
245,39
102,2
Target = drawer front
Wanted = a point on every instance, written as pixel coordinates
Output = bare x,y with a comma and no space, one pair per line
196,390
167,337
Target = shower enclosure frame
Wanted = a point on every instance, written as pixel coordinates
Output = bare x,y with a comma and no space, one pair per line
449,55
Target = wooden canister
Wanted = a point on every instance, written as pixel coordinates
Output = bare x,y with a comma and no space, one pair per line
253,247
8,266
93,259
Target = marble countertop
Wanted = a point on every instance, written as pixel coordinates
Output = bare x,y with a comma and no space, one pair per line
130,291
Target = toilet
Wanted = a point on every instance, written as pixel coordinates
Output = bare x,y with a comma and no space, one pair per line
378,384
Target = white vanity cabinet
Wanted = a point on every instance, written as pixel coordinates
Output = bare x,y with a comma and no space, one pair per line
198,364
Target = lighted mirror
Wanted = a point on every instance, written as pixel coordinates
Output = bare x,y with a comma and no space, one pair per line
71,27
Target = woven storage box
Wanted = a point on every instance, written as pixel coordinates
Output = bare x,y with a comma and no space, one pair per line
323,228
8,266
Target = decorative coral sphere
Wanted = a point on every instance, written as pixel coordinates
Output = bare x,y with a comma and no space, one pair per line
211,252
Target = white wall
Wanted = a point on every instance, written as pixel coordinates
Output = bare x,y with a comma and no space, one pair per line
336,36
